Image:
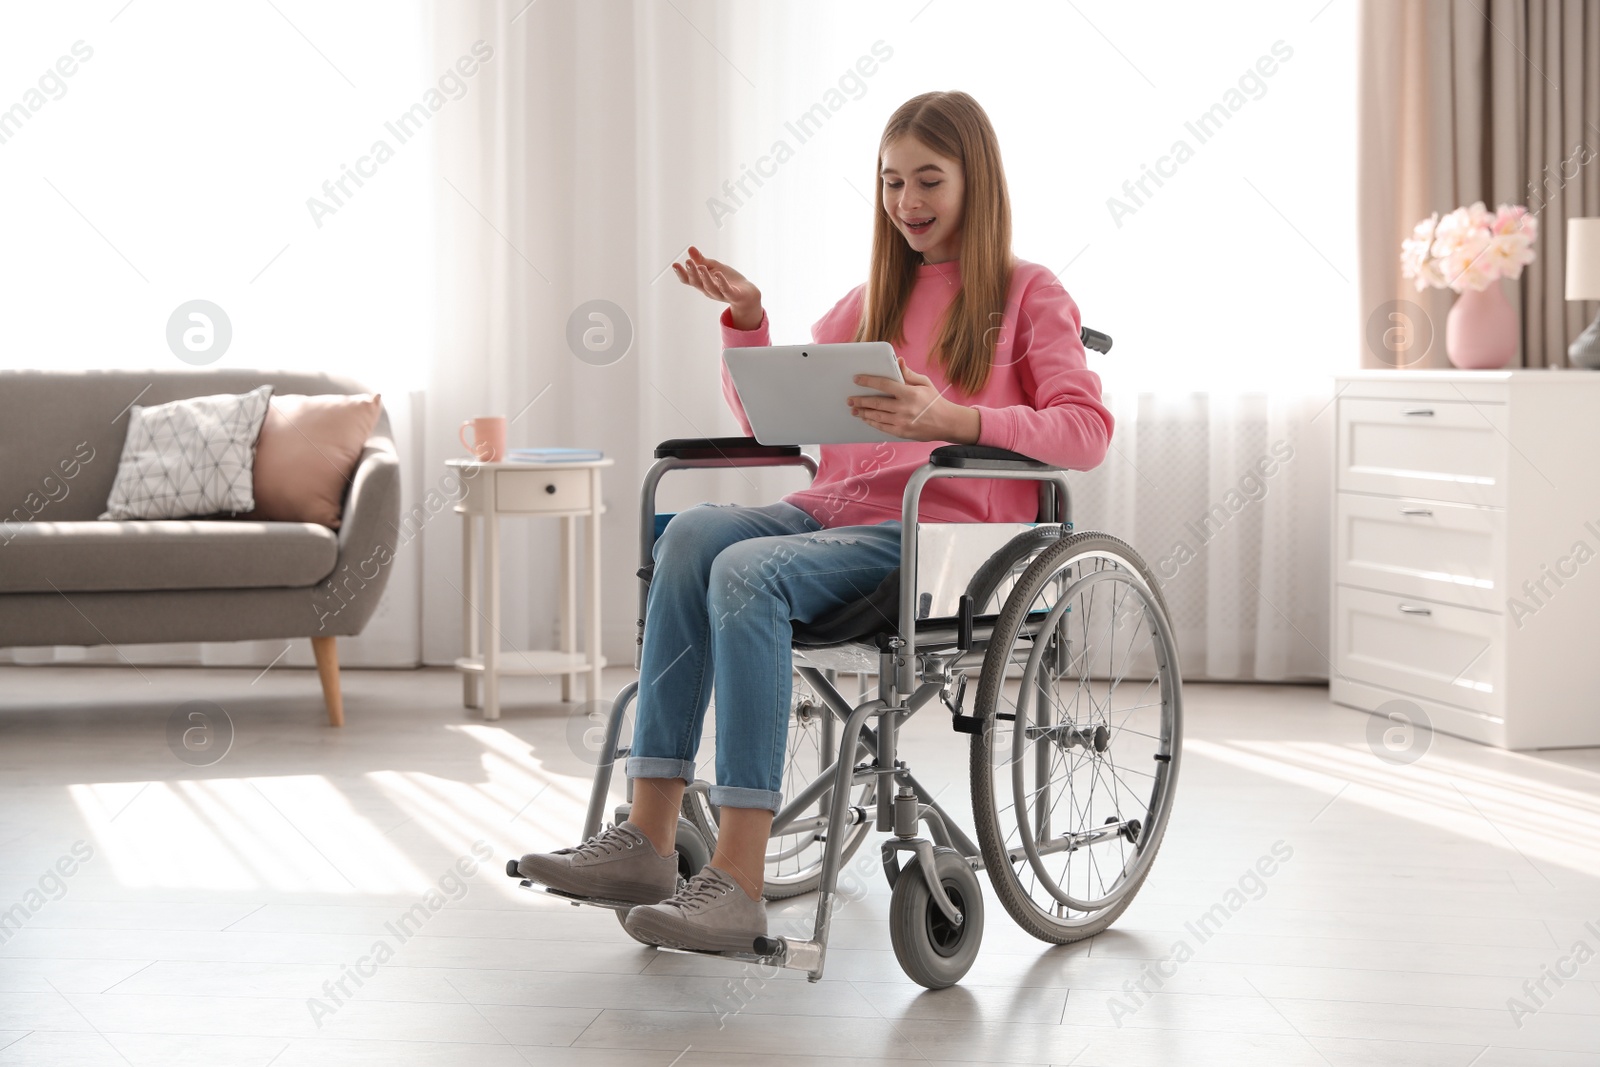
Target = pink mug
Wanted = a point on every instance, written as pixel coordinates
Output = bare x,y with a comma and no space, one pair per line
488,437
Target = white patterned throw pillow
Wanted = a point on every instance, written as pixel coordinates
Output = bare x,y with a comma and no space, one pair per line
189,458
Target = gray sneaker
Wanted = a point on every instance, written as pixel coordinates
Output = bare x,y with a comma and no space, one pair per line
620,864
709,913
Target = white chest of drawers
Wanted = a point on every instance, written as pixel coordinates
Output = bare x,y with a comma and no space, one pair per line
1466,551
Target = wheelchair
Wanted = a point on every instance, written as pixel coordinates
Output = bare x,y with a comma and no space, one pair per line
1074,731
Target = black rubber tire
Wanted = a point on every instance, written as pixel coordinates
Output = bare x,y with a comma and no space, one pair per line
1026,545
991,839
929,951
694,851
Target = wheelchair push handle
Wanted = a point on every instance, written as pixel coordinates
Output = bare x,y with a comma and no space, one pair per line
1094,339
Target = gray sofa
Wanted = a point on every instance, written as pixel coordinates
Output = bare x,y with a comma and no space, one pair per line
67,578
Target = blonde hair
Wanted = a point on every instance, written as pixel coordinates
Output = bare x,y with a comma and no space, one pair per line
955,126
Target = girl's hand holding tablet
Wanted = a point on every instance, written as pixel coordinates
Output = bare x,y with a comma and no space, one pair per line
915,409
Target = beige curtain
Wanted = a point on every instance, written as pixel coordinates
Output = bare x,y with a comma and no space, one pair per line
1465,100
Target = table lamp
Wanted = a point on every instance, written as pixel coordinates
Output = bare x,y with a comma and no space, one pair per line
1583,283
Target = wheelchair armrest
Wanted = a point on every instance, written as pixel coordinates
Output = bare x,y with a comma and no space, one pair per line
986,457
723,448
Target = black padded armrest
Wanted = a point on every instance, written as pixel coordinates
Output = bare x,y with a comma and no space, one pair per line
723,448
986,457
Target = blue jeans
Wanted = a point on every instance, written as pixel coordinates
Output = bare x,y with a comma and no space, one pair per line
728,583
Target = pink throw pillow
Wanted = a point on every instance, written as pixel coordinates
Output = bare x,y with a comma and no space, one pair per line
307,453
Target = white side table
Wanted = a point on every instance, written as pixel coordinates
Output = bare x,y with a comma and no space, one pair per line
538,490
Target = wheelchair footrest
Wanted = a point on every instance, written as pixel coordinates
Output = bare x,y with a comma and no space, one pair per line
575,900
742,957
789,953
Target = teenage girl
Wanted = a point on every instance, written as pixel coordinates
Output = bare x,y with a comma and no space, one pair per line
989,348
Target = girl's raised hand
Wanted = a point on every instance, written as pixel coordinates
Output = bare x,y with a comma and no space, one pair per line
721,282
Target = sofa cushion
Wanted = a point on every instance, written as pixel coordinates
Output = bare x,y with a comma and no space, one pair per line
189,458
44,557
307,451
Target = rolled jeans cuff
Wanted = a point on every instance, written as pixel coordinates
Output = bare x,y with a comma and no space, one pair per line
660,767
738,796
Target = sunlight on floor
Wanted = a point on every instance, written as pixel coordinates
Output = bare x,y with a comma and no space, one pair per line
301,833
1529,814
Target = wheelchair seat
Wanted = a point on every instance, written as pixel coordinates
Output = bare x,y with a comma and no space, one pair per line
871,619
867,619
861,620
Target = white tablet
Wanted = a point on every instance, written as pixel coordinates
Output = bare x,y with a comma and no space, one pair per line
798,394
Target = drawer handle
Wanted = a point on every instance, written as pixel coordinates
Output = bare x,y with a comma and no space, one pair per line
1413,610
1417,411
1416,511
549,488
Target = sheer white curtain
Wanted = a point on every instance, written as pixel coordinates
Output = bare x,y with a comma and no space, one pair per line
577,174
605,138
576,149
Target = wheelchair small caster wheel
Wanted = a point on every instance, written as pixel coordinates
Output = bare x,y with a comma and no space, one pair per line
933,951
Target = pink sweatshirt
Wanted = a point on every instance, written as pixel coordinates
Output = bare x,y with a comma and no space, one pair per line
1040,400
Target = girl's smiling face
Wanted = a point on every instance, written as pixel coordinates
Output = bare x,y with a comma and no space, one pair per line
922,192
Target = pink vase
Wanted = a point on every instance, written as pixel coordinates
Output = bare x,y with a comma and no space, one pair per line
1481,330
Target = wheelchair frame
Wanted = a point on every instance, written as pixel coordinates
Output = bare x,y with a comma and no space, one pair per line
908,679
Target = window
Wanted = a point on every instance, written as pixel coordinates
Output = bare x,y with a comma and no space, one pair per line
1188,169
179,162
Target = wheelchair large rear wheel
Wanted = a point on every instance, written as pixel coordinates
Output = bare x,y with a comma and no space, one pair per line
1076,757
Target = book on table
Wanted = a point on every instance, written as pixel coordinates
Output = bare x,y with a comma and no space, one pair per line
553,455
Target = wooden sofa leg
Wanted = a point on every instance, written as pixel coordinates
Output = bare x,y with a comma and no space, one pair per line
327,653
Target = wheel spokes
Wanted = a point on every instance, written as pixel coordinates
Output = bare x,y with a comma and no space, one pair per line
1100,730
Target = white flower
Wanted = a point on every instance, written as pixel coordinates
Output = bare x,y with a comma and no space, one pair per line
1415,262
1509,253
1465,259
1470,248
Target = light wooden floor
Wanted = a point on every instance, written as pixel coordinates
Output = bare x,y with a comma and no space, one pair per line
217,901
